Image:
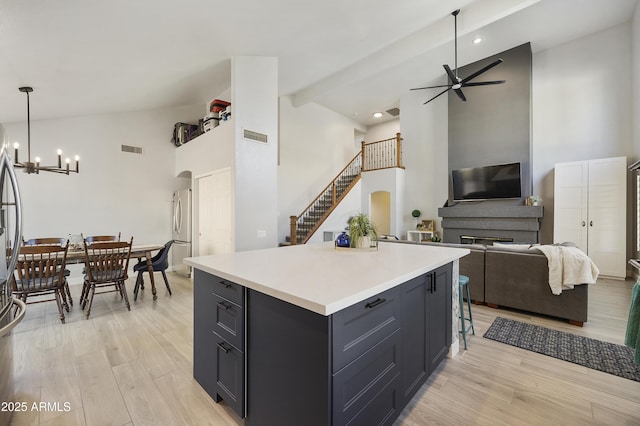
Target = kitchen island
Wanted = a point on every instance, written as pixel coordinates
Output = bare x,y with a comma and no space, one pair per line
311,334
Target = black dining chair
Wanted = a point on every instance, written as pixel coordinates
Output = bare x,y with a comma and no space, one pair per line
159,262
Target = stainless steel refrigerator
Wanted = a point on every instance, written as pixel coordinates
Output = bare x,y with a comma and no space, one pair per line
181,231
11,310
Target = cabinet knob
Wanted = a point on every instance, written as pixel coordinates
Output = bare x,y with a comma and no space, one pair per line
591,223
584,223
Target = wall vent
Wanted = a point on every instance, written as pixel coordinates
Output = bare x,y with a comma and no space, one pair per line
394,111
131,149
254,136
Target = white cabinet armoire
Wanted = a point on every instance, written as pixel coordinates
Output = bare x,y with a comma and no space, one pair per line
590,209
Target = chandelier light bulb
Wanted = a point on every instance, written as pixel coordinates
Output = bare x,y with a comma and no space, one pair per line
77,158
59,151
37,159
16,145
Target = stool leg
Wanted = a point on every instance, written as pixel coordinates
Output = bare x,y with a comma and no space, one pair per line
464,328
473,331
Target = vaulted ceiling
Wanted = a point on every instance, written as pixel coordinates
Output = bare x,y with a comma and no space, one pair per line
355,57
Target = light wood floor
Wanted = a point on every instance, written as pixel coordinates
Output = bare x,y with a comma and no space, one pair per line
132,368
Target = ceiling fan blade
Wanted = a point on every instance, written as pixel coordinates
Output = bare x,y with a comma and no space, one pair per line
482,70
450,73
460,94
483,83
431,87
441,93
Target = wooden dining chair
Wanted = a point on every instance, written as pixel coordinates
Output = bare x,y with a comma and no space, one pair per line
66,295
100,238
39,272
106,265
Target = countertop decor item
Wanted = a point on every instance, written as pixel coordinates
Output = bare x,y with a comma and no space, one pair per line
343,240
34,166
362,231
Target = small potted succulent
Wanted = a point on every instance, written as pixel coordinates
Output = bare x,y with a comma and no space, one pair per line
362,232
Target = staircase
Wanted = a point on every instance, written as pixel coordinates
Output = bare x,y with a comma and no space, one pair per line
372,156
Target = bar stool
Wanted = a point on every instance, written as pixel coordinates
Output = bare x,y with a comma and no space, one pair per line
463,285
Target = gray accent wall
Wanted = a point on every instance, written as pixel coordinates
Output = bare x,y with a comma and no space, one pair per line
494,125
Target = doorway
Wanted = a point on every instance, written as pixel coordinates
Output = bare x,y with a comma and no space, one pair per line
381,211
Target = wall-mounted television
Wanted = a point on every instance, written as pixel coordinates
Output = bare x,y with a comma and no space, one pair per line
486,183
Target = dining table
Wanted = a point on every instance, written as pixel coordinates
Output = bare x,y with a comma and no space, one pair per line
142,251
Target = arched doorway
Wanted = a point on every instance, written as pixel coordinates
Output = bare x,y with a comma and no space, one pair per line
380,202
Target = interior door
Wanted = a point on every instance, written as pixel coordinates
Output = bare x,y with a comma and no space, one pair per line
607,215
215,220
570,203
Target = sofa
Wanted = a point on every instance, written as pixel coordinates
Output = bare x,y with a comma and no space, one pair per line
518,277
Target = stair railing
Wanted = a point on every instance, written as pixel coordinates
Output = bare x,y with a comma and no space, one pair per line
325,202
377,155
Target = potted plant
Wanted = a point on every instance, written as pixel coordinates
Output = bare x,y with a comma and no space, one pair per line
416,214
362,231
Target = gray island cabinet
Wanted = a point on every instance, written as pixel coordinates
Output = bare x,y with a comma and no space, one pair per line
297,341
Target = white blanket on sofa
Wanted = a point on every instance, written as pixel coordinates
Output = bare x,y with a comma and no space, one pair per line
568,266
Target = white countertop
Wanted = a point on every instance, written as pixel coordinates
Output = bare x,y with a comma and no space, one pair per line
322,279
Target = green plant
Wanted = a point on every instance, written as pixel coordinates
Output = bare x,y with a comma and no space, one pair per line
361,226
416,213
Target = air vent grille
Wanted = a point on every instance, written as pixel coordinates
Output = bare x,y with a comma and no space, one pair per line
254,136
394,111
131,149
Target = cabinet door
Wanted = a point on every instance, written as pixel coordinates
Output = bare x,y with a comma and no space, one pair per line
228,364
357,387
607,242
203,342
415,359
570,203
439,315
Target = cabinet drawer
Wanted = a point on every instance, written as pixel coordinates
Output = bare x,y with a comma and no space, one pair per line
359,327
228,321
229,373
228,289
358,387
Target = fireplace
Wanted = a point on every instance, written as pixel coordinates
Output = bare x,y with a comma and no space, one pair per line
490,222
487,241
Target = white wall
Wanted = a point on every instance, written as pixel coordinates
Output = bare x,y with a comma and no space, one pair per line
383,131
255,107
114,191
315,145
425,156
581,107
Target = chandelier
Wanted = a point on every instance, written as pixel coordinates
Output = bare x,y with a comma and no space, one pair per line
34,166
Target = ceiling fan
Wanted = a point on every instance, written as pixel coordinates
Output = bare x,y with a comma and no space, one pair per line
456,83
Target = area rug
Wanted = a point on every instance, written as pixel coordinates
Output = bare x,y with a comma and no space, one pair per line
596,354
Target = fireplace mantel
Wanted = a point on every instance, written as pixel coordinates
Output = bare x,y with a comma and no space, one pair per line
494,220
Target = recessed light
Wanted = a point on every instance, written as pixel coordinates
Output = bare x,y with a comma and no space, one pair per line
377,114
477,40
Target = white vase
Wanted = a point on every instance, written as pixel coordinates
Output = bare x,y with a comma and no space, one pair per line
363,242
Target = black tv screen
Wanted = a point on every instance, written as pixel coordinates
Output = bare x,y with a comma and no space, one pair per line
486,183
